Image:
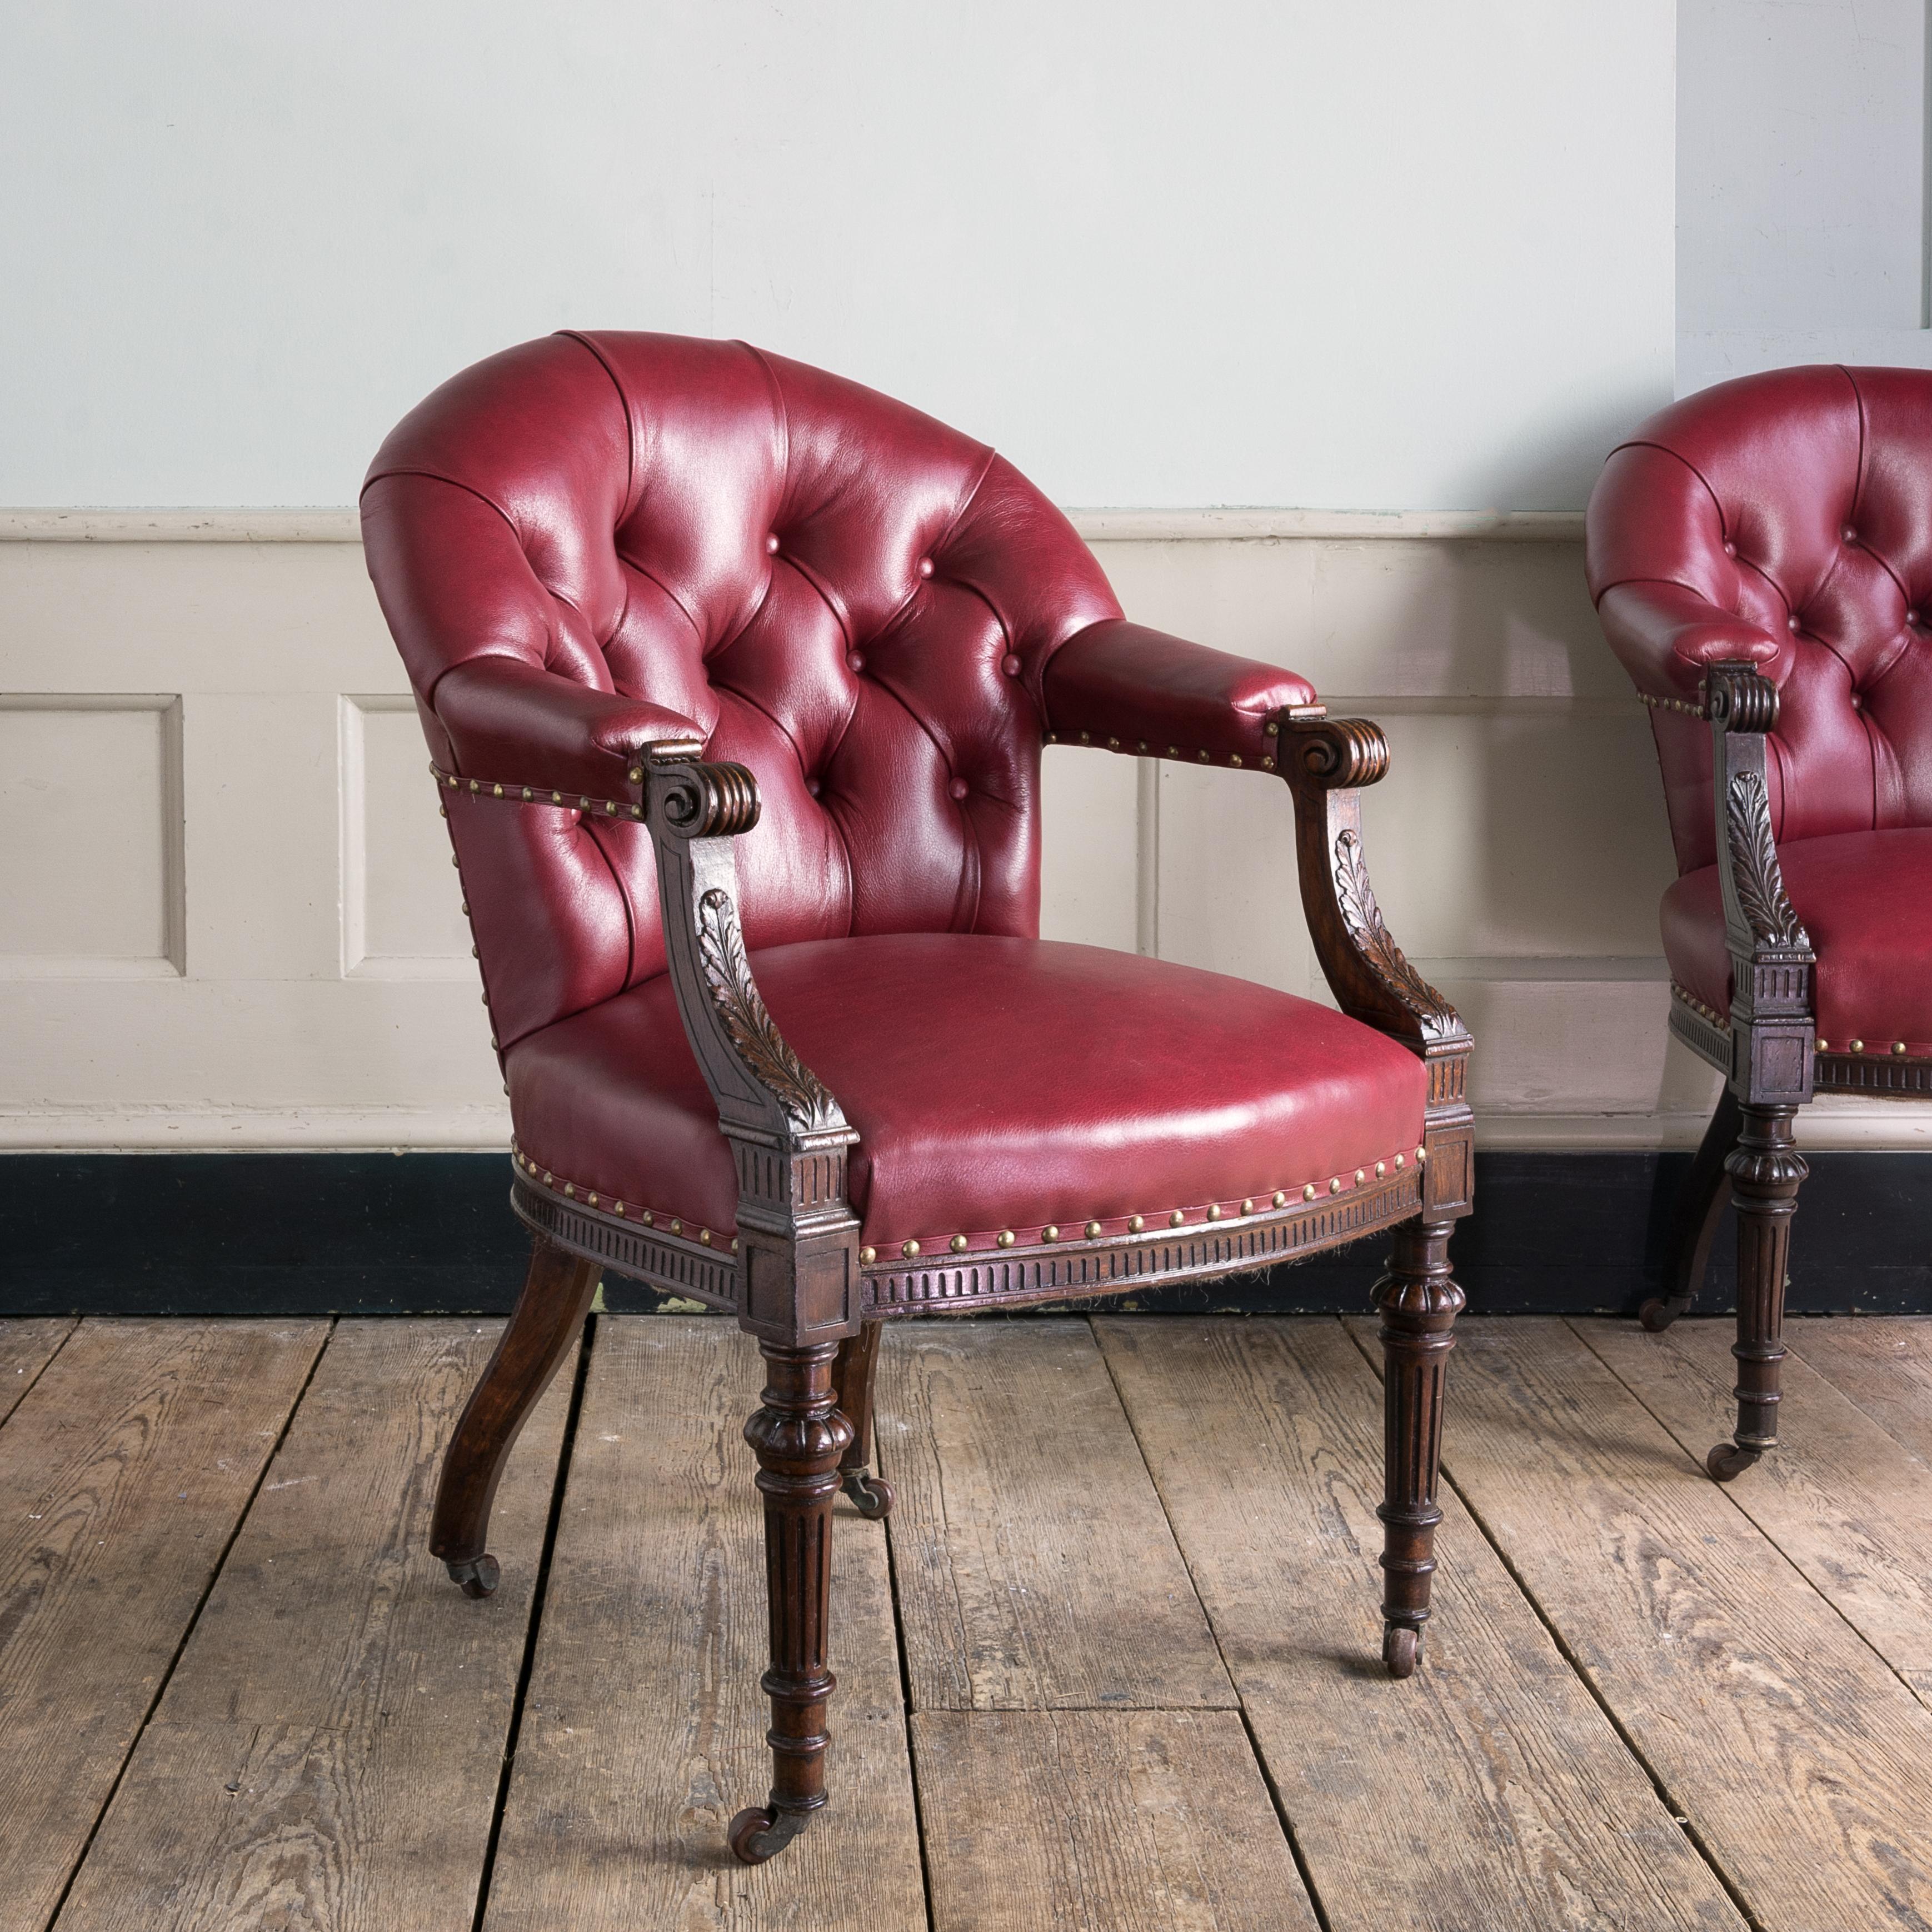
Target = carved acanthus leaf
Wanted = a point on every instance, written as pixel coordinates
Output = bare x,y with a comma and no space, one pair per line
1755,872
752,1030
1373,941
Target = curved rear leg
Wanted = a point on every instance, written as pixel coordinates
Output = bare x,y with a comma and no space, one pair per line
853,1373
1701,1202
549,1317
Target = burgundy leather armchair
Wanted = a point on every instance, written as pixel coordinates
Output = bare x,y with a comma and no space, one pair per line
1761,557
736,678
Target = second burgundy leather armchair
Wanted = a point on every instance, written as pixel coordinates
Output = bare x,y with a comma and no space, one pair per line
736,678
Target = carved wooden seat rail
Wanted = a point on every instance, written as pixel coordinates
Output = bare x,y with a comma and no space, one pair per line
736,679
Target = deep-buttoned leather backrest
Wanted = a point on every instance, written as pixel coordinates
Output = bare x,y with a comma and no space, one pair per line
846,596
1798,504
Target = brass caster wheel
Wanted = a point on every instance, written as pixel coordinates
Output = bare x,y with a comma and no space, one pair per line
1401,1647
1657,1315
477,1577
757,1833
872,1496
1727,1461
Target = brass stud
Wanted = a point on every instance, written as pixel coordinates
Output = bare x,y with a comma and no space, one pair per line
1141,745
452,784
910,1249
1247,1207
677,1227
1176,1219
569,1190
550,1179
867,1256
704,1235
1233,757
556,798
1214,1210
649,1219
499,791
1381,1168
466,908
1136,1224
1092,1231
584,802
1421,1155
475,784
1308,1192
442,811
493,1040
1858,1046
959,1244
637,811
1206,758
635,774
1113,744
1824,1046
1898,1046
1049,1233
1174,751
592,1199
1400,1162
617,1208
1280,1198
1334,1187
1005,1238
526,794
1086,738
454,860
734,1244
1052,738
1268,764
474,954
484,997
610,807
1273,728
1359,1176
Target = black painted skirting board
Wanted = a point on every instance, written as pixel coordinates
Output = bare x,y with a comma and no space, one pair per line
373,1233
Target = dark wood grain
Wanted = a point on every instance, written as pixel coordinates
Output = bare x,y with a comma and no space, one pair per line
1036,1568
1803,1763
328,1750
122,1473
26,1349
644,1728
1488,1793
1120,1821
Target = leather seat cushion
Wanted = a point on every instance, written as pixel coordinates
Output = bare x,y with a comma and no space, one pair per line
995,1083
1866,899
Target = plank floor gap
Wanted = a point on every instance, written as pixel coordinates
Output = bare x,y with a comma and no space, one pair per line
1681,1813
73,1329
905,1708
1730,1496
587,1341
215,1569
1281,1818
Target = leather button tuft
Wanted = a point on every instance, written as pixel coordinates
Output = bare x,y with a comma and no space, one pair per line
1791,623
1858,702
958,788
1730,548
811,787
772,544
1848,535
855,660
925,566
1010,664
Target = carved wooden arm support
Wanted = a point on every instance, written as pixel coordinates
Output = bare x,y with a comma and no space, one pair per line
1772,1029
1326,761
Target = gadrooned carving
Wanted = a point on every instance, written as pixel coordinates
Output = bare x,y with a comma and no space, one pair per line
1373,940
1755,872
752,1030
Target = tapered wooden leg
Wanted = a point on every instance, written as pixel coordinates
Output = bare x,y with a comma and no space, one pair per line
549,1318
1419,1304
852,1376
799,1435
1694,1224
1766,1171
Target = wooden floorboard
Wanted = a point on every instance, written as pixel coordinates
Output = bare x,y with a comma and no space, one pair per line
123,1473
1124,1821
1487,1793
26,1349
1883,1363
1803,1762
328,1750
1036,1568
1839,1496
644,1728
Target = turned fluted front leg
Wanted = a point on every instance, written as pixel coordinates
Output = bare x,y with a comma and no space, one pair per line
799,1435
1766,1171
1419,1304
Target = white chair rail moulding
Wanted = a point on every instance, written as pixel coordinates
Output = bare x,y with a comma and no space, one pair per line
237,926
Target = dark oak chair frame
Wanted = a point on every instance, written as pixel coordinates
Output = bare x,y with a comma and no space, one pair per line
1773,1062
798,1278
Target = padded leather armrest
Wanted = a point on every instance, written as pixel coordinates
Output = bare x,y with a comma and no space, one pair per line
509,722
1115,679
1667,637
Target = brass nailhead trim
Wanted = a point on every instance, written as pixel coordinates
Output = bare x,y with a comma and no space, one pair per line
1670,704
1176,1219
524,796
1247,1207
1214,1210
958,1244
1049,1233
1006,1237
1135,1225
1094,1230
1308,1192
1858,1046
911,1249
1335,1187
867,1256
